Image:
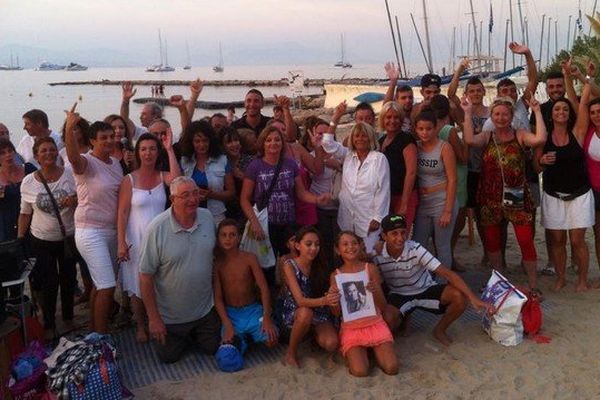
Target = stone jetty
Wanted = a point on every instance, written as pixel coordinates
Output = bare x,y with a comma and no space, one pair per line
231,82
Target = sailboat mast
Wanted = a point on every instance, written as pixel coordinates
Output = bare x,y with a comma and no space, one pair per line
512,32
542,39
480,36
505,43
555,37
401,50
521,20
427,39
526,31
490,32
451,64
160,48
220,55
548,41
421,44
166,54
475,43
569,34
387,9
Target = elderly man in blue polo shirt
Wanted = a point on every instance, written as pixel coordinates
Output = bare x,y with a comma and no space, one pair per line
406,268
176,275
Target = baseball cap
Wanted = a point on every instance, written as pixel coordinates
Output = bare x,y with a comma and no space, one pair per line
393,221
431,79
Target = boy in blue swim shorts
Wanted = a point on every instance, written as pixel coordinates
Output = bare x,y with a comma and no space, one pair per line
236,276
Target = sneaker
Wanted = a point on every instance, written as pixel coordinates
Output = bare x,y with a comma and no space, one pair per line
548,270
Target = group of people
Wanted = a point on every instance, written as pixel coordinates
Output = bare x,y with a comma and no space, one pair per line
164,220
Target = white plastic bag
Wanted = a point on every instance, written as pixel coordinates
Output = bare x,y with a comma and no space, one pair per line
261,248
505,325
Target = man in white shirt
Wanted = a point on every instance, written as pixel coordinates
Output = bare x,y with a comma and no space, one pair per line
36,124
406,268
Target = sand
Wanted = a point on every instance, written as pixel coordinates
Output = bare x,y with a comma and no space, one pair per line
474,367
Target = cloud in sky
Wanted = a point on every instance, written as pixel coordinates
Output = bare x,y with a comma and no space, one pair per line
132,24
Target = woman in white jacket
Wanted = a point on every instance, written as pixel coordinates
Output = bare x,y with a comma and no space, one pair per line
365,191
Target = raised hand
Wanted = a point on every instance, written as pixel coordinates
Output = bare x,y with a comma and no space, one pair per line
590,68
464,63
128,91
196,87
72,119
391,71
466,105
177,101
167,139
282,101
518,48
339,110
316,139
533,104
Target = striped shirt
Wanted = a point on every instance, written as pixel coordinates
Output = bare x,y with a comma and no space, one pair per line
409,274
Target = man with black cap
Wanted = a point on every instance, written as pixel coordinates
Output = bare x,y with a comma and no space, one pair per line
406,267
430,86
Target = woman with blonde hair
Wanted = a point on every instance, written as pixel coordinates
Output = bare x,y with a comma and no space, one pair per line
365,191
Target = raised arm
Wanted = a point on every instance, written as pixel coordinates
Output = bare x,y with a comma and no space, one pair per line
532,76
195,90
291,130
178,102
539,138
78,162
583,114
568,73
128,92
174,169
468,130
453,86
393,75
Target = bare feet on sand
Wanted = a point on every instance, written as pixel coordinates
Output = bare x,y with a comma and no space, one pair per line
582,287
595,284
291,360
559,284
442,337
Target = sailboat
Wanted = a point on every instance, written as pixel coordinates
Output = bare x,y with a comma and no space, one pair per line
343,63
11,67
161,67
188,65
219,67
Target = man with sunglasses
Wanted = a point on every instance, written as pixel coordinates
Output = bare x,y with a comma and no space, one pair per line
176,275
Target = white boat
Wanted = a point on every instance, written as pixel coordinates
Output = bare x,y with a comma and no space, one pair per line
219,67
11,66
48,66
343,63
76,67
163,66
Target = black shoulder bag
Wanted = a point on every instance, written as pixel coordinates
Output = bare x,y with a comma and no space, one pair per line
264,201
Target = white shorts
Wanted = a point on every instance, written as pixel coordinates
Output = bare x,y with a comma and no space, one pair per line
564,215
98,247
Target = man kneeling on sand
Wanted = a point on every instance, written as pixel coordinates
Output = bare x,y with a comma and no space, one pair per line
406,268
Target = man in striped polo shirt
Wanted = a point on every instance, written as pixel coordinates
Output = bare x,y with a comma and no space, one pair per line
406,268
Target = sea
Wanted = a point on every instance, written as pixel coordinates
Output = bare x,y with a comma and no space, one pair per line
28,89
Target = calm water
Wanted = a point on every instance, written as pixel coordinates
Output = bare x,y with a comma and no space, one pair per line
24,90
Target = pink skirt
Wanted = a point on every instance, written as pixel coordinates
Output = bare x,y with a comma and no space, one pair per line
364,336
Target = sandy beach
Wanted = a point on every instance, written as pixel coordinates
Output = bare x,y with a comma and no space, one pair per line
474,367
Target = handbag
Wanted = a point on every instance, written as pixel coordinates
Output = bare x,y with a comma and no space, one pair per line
512,196
68,240
262,248
336,186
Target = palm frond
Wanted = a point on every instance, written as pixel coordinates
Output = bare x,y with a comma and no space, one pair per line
595,23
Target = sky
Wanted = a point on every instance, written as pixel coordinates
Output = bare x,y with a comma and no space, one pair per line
310,26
